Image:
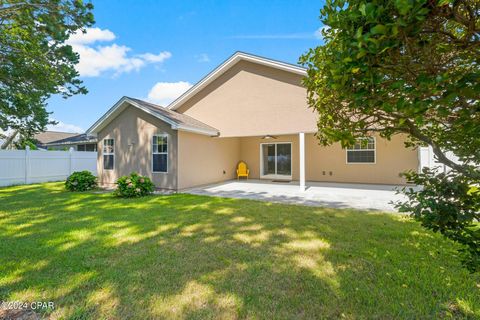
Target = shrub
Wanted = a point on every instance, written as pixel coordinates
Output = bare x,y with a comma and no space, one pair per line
81,181
448,203
134,185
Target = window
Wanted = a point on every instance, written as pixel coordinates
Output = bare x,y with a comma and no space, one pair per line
87,147
362,152
108,154
91,147
160,153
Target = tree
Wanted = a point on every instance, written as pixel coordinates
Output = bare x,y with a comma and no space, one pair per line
35,62
22,144
408,67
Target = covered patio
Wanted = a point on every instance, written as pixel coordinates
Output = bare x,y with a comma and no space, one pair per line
324,194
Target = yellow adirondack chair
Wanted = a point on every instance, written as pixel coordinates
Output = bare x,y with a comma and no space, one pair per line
242,170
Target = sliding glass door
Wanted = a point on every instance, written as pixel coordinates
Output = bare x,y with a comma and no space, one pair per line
276,160
268,159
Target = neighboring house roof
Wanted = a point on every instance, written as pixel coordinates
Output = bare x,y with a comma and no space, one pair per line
76,139
49,136
176,120
227,64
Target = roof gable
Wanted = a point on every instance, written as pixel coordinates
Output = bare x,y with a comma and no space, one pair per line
228,64
176,120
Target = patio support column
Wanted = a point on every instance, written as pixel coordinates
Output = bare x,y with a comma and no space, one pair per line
301,140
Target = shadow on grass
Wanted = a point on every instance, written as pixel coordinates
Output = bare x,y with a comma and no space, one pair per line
185,256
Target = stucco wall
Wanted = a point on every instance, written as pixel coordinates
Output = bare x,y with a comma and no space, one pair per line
253,100
203,160
391,158
133,130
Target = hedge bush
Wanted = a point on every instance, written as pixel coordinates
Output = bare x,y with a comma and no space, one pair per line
134,185
81,181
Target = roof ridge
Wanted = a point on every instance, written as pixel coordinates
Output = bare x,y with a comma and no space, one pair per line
59,132
148,102
271,59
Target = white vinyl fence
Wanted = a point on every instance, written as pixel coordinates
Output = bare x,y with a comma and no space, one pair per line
33,166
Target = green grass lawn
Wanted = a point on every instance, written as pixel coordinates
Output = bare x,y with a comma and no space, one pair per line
196,257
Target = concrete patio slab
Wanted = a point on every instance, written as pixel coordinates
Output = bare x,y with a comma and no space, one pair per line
322,194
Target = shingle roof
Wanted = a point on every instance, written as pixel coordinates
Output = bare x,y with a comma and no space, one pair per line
49,136
178,118
78,138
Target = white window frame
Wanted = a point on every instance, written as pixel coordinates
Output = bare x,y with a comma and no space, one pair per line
162,135
276,176
104,153
374,152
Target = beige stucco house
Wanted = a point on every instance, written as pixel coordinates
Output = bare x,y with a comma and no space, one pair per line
249,108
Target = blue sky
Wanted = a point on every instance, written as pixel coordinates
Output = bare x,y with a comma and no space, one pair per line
154,50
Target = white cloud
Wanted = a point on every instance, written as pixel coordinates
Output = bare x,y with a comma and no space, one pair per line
64,127
150,57
91,35
203,57
165,92
318,33
95,60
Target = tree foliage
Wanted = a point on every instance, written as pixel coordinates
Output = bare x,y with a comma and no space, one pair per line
35,62
407,67
22,143
447,203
